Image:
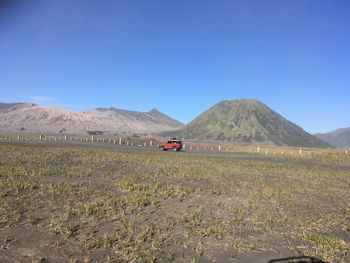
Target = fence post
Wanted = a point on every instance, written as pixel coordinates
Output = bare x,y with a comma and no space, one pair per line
258,149
120,140
150,143
92,138
184,146
41,137
219,148
300,151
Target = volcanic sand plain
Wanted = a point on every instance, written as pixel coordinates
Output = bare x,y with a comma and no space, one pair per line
82,204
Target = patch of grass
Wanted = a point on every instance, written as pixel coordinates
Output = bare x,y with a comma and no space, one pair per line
331,247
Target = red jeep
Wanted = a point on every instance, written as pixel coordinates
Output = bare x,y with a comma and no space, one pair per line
173,144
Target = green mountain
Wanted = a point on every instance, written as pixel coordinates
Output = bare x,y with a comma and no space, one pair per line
246,121
339,138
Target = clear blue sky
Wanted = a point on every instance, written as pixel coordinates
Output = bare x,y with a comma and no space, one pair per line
180,57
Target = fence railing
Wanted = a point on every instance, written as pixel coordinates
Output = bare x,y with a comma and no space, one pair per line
151,142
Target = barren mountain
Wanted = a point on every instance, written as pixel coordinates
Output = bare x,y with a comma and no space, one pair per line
246,121
339,138
31,118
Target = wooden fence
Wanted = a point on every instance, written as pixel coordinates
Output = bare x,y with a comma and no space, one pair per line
151,142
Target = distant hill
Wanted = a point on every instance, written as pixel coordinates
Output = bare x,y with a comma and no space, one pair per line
153,116
339,138
31,118
246,121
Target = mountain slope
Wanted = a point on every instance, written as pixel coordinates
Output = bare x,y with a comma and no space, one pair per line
6,107
339,138
246,121
153,116
31,118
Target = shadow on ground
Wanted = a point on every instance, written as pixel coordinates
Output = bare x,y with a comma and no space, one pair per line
302,259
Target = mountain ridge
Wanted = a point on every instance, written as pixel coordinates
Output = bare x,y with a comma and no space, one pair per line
32,118
339,137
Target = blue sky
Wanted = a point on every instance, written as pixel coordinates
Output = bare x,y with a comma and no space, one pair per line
180,57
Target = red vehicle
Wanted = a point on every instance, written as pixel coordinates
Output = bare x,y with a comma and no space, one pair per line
173,144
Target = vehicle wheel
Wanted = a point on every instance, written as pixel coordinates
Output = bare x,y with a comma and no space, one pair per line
174,149
161,148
